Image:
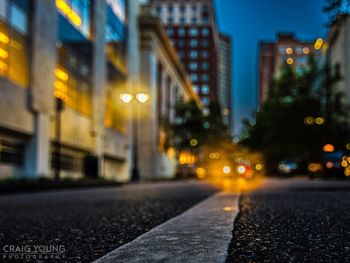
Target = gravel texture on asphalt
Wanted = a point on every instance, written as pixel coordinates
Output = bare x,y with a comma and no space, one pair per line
293,225
91,223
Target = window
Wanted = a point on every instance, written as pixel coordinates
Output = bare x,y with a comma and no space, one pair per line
182,8
170,31
196,88
14,51
205,101
181,32
193,43
72,83
205,54
170,20
78,13
206,111
205,89
194,20
181,43
182,20
158,9
205,77
182,54
119,8
205,66
12,152
205,32
205,43
194,77
193,32
193,54
193,66
170,9
194,8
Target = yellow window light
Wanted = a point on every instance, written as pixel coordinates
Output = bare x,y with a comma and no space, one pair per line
4,38
3,66
62,75
68,12
3,53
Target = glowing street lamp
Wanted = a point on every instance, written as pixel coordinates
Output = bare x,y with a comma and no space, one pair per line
128,98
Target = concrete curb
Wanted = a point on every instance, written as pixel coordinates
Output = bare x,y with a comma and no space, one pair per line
201,234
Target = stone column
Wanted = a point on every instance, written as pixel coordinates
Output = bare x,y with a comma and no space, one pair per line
43,63
99,75
148,121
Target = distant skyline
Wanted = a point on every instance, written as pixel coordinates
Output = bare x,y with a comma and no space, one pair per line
252,21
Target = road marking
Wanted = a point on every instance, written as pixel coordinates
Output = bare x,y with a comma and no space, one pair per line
201,234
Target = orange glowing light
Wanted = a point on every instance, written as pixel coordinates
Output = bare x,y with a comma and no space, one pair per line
61,74
306,50
201,172
290,61
329,148
3,53
318,44
289,51
4,38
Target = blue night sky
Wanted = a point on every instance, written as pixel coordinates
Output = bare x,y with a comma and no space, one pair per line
248,22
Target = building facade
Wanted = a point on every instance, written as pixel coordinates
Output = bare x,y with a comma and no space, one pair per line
191,26
77,53
338,53
272,55
225,78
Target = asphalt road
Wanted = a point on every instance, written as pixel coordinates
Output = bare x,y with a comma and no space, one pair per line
293,221
90,223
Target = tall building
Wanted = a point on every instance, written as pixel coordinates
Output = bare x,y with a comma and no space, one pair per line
225,78
339,52
287,49
191,25
54,52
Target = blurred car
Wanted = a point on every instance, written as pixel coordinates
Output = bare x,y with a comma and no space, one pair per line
288,167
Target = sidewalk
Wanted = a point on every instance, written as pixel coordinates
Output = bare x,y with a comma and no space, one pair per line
201,234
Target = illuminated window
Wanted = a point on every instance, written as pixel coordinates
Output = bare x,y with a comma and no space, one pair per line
170,31
205,77
205,32
205,54
72,83
13,42
193,54
205,89
193,32
194,77
77,12
193,66
205,66
193,43
181,32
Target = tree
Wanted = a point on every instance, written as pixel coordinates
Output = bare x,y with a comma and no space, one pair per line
303,112
336,10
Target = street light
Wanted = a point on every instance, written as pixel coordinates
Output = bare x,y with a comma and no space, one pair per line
128,98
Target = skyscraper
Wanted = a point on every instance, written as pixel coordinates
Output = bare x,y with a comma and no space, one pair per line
225,78
191,26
